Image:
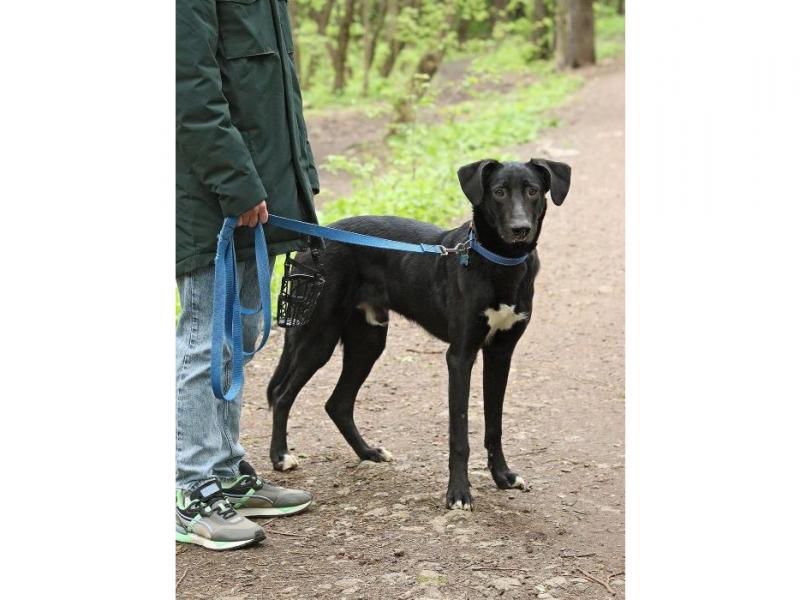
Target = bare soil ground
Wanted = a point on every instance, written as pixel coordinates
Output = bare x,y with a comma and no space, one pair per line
381,530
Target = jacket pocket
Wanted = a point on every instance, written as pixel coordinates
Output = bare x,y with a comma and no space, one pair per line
246,28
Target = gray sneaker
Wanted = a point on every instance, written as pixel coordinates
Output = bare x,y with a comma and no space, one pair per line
254,497
205,517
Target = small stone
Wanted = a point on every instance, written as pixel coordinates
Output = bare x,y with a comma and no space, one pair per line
394,578
505,583
428,577
544,596
381,511
399,552
556,581
348,582
457,515
439,523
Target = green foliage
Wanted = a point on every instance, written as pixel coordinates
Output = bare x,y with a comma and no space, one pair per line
512,56
418,178
609,31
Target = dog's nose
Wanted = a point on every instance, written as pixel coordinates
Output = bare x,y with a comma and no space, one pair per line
520,232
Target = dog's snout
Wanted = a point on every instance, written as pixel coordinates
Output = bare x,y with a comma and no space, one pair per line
521,232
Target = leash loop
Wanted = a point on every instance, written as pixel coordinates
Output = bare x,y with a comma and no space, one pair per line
226,324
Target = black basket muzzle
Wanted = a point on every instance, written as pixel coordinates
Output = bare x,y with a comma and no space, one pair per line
301,287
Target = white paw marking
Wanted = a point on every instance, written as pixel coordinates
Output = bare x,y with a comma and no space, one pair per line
519,482
385,454
502,319
288,463
370,315
458,505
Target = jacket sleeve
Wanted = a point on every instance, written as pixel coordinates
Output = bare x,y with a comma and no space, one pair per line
205,134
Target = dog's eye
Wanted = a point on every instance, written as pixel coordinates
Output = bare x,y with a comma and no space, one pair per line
500,192
532,192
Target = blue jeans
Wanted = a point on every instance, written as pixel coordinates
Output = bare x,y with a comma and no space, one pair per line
207,429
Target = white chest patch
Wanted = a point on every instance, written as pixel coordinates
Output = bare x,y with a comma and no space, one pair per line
502,319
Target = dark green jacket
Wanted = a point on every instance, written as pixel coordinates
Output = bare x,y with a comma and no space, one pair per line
241,136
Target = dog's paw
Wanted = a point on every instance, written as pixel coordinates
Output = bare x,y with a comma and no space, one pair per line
286,463
460,500
519,483
507,480
379,454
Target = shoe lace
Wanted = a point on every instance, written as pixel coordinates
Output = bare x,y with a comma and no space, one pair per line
214,503
251,481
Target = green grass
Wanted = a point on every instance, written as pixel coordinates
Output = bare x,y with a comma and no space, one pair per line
418,179
609,32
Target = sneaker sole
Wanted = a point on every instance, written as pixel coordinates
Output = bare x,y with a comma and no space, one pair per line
193,538
273,512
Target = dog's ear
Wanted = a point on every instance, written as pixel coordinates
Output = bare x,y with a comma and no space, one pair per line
558,176
473,176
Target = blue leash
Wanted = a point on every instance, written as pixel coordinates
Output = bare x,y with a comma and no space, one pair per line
226,325
226,330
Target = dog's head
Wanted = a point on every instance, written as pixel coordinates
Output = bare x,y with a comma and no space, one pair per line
510,196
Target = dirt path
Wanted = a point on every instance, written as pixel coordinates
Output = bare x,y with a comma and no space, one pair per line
380,530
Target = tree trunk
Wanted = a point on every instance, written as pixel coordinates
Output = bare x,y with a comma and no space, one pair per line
395,46
321,18
620,7
542,11
517,12
462,31
372,31
496,11
339,51
574,34
427,67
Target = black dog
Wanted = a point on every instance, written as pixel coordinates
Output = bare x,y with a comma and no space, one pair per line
480,306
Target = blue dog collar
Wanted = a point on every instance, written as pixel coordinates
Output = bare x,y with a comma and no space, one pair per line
473,244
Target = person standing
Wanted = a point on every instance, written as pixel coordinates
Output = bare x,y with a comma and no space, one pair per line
242,151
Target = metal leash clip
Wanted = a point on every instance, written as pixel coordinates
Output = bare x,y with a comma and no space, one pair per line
461,250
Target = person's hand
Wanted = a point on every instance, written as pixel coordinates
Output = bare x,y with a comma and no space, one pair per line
257,214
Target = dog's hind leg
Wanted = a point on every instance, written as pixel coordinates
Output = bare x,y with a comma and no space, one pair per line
364,340
303,355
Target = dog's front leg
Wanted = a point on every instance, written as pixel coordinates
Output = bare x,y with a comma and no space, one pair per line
496,364
459,366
